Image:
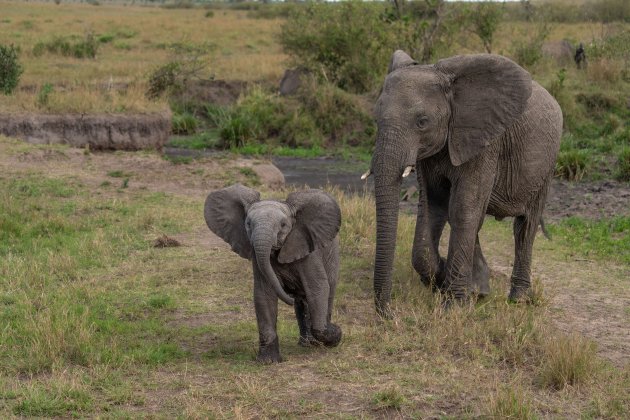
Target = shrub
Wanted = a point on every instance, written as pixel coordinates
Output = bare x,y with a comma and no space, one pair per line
10,68
346,44
527,48
573,164
485,22
67,46
188,61
340,115
568,361
605,70
209,14
623,165
509,403
257,116
44,94
389,398
184,123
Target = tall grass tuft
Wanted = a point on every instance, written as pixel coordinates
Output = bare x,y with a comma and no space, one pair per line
510,403
568,360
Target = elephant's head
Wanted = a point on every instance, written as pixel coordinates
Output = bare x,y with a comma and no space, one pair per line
462,103
306,221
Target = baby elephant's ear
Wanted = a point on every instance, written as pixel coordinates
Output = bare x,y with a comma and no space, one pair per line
225,211
317,222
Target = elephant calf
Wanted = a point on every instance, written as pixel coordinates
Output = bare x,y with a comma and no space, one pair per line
294,250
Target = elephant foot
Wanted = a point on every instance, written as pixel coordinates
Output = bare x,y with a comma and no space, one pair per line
383,310
309,341
330,337
520,294
481,283
269,353
437,280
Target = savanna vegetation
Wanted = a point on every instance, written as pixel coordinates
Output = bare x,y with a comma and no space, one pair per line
97,319
100,320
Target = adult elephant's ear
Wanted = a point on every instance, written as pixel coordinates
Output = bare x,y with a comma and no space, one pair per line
225,211
489,93
317,222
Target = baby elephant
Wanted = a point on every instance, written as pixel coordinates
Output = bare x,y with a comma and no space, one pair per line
294,250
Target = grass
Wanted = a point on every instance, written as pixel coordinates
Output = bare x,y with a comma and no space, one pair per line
132,41
97,322
607,238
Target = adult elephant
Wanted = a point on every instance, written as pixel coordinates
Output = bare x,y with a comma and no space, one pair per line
483,139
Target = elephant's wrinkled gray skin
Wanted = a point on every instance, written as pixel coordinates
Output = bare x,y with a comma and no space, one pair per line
294,250
483,139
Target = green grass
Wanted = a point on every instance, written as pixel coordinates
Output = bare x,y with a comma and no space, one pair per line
603,239
96,322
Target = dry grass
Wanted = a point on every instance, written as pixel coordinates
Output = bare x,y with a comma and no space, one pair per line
241,49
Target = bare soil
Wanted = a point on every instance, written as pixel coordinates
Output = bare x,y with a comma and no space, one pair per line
96,131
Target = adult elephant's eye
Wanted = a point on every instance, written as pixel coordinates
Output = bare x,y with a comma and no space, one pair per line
422,121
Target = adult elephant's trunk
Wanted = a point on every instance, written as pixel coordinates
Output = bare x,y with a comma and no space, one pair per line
388,165
262,241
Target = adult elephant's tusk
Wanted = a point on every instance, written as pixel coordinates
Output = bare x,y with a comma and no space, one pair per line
408,170
365,175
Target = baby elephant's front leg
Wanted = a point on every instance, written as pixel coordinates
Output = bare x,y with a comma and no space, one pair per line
266,304
319,292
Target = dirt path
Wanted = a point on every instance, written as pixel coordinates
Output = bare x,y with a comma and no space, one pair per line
580,291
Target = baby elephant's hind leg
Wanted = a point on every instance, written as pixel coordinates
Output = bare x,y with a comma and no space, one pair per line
318,295
304,323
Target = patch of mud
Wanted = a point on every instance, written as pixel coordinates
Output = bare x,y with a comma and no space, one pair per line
590,200
96,131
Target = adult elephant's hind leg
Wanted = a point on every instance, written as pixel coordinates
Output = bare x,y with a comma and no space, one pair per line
481,272
525,228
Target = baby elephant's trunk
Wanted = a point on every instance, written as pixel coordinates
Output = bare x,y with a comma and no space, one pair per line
262,242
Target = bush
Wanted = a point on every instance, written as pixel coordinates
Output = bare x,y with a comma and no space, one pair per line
347,43
184,123
44,94
573,164
257,116
623,165
87,47
10,68
527,48
188,61
339,115
568,361
485,22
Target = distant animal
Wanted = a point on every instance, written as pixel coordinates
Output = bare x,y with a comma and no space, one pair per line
294,249
483,138
580,57
561,52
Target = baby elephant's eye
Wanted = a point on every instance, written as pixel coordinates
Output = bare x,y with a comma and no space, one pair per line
283,224
422,121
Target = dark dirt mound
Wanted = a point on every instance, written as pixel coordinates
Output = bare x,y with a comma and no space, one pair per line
590,200
98,131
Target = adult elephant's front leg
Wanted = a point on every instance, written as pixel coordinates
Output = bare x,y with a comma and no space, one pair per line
266,305
481,272
467,207
432,217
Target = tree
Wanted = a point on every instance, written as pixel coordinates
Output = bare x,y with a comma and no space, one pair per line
485,21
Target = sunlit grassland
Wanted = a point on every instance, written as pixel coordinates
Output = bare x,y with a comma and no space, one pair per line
97,322
240,48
